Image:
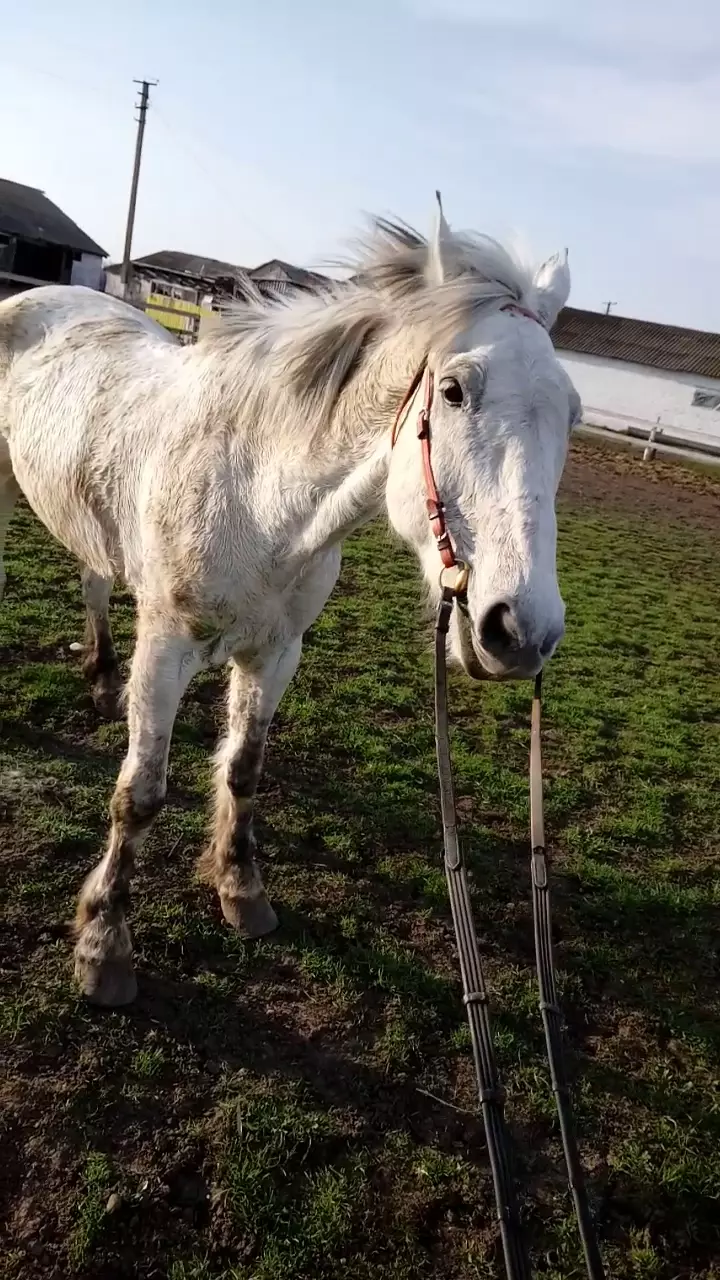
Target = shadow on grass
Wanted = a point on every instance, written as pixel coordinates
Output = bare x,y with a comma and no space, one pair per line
659,950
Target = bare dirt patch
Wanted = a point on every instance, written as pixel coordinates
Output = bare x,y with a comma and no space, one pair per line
614,478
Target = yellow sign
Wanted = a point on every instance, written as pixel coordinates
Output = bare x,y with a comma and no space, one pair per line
159,303
175,313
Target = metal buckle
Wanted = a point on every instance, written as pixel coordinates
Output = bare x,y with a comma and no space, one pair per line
462,572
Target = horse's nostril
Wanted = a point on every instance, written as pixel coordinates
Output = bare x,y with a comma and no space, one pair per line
499,631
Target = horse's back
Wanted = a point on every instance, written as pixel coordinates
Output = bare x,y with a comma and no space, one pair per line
59,337
36,315
76,368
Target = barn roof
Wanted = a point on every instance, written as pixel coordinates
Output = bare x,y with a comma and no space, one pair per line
27,212
284,273
273,277
657,346
190,264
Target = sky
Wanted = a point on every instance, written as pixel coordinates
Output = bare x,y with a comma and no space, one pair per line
277,126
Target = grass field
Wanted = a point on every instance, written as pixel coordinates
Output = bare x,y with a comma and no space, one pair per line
304,1108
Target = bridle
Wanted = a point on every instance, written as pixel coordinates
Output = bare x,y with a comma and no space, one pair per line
475,996
435,508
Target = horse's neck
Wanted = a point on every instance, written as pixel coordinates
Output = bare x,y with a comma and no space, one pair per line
354,453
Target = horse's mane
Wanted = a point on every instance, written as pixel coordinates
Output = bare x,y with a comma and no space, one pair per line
313,342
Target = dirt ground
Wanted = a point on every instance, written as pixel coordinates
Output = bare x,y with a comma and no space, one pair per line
613,477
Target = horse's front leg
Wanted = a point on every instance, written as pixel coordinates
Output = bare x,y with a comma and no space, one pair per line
162,666
229,862
9,494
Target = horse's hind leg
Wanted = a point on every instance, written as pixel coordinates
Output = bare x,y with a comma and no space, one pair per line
9,494
229,862
162,666
100,664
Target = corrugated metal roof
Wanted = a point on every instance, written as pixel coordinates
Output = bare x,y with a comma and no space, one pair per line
190,264
274,277
657,346
27,212
285,273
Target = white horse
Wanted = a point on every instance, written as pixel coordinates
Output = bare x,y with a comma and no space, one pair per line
219,481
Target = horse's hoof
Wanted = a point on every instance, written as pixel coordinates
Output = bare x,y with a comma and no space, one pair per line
107,700
252,917
111,984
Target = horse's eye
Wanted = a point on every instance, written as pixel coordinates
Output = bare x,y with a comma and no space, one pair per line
451,391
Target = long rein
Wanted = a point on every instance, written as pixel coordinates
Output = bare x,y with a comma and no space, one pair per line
453,584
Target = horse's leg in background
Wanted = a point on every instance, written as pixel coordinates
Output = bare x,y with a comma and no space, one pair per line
9,494
162,666
229,862
100,664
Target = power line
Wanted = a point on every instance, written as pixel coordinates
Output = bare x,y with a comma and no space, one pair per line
87,85
231,197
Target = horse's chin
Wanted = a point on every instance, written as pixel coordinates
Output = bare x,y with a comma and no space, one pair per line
476,671
467,655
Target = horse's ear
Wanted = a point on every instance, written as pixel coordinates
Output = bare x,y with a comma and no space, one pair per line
552,288
439,247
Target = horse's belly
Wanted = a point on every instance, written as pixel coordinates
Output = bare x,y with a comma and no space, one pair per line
59,498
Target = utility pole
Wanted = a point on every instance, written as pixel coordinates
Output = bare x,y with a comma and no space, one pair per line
608,305
142,107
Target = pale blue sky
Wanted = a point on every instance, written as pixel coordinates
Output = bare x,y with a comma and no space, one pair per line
277,123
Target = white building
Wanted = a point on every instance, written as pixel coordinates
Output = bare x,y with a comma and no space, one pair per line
636,374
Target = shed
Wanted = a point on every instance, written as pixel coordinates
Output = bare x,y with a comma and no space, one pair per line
40,244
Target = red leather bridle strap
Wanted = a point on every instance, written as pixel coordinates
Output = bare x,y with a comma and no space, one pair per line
435,509
433,503
404,408
523,311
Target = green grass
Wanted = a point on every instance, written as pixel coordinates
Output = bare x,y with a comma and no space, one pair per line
278,1111
92,1201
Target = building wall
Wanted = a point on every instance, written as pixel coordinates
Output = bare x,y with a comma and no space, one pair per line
614,392
88,270
113,285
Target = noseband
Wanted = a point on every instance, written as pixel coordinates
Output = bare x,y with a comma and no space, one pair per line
475,996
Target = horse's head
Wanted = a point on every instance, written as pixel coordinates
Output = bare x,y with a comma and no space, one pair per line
501,412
